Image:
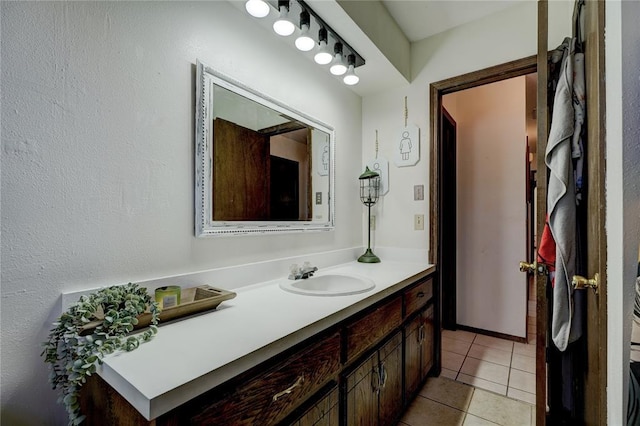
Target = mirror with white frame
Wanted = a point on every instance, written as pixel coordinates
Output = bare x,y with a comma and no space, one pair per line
261,167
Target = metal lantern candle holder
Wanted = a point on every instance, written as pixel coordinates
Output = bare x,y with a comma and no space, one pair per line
369,193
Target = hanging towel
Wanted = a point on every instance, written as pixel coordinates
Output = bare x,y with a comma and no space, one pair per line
561,200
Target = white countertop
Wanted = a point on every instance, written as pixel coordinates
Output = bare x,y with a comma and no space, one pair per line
186,358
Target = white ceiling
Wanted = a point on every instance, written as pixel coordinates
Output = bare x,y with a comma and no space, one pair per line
420,19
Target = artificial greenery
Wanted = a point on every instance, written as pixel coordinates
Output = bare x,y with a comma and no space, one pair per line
74,357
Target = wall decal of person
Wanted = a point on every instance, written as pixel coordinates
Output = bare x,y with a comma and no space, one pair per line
405,145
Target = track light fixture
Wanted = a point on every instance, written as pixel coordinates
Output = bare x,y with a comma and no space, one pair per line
350,78
304,41
283,26
337,65
342,59
257,8
322,56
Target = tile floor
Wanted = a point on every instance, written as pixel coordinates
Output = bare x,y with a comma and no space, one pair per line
500,366
446,402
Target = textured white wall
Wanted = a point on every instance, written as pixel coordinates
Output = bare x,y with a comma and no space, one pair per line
97,158
505,36
491,216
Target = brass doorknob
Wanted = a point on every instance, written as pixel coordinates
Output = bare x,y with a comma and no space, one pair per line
533,268
528,267
580,282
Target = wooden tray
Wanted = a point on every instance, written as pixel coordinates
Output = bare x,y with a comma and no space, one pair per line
193,300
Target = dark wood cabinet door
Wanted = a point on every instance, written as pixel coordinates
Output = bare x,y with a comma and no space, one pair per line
362,393
412,356
325,412
390,367
427,342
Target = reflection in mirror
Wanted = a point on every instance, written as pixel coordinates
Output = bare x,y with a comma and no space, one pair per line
260,166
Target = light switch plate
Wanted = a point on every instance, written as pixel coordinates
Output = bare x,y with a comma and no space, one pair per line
418,192
418,222
318,198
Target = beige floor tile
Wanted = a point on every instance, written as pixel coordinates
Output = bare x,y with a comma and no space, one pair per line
486,370
523,363
448,374
452,361
457,346
500,410
486,353
465,336
521,395
471,420
445,391
493,342
523,381
524,349
424,412
482,384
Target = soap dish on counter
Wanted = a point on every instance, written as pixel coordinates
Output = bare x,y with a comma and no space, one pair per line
193,300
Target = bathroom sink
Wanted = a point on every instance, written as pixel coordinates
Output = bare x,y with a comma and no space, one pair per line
329,285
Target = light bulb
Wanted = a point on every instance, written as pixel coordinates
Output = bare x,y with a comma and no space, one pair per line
350,78
323,57
304,42
257,8
283,26
337,66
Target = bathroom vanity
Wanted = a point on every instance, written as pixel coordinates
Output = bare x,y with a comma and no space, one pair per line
274,357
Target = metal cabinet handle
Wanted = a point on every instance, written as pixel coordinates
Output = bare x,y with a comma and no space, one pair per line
421,334
383,375
421,294
289,389
375,380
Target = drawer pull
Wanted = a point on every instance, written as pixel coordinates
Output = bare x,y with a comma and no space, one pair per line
421,294
289,389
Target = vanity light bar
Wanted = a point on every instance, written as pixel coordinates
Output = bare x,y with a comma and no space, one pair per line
327,37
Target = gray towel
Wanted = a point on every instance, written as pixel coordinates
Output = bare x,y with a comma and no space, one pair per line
561,201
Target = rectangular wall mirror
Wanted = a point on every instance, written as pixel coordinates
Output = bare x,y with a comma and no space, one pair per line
261,167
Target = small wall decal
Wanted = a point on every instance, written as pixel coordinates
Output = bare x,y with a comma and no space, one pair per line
380,165
407,146
322,156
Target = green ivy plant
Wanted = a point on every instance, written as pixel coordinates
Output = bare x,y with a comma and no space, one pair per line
73,357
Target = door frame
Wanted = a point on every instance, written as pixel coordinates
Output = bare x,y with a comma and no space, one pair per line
517,68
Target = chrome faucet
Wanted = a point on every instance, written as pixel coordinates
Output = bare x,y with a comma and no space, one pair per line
304,272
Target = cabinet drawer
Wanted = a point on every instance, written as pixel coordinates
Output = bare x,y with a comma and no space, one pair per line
417,296
368,330
269,397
